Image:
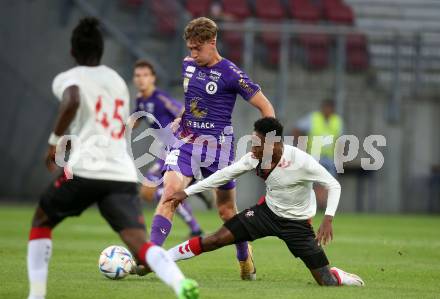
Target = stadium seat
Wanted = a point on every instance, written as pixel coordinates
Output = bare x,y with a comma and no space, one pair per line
316,49
233,41
166,16
198,8
357,55
270,11
239,9
304,11
337,11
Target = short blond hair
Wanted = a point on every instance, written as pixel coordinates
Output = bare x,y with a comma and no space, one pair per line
200,30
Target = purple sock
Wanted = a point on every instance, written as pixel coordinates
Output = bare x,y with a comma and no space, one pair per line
185,212
242,251
160,228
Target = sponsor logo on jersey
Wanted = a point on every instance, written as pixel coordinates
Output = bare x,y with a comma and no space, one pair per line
218,74
185,84
200,124
245,86
201,76
190,69
211,87
172,157
249,213
196,111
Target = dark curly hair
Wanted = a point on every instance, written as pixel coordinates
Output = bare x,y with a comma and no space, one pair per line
268,124
87,42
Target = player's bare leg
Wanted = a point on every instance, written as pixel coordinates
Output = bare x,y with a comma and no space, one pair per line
227,209
147,193
162,222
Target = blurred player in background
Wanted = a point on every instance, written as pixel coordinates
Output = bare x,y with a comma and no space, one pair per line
321,123
286,210
94,106
164,109
211,84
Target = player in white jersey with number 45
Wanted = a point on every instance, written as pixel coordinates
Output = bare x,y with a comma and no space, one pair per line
94,107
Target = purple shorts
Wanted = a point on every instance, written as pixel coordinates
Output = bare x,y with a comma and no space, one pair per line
155,172
200,161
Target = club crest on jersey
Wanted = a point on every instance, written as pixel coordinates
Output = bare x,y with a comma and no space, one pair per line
195,110
211,87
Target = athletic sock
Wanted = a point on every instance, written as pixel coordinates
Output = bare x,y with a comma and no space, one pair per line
185,212
160,229
187,249
38,256
161,263
242,251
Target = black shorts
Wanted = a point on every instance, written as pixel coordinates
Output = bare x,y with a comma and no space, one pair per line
118,202
259,221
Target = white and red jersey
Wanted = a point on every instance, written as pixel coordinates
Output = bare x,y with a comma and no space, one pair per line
99,124
289,187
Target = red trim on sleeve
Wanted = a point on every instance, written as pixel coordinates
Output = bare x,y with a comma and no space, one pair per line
143,251
262,200
195,244
40,233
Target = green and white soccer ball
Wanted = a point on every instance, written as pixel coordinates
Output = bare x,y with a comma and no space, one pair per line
115,262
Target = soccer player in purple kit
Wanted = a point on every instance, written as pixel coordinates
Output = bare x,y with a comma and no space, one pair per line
164,109
211,84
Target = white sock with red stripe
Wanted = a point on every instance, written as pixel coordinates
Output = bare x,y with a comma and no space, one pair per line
161,263
187,249
38,256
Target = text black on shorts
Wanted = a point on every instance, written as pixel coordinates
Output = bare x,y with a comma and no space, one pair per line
118,202
259,221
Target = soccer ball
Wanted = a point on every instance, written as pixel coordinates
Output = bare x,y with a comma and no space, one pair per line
115,262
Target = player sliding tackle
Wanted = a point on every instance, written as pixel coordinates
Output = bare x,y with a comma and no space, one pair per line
285,211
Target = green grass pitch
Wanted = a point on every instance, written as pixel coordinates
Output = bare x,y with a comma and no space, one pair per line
397,256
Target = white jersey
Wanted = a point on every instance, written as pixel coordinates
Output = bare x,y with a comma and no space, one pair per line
289,187
99,124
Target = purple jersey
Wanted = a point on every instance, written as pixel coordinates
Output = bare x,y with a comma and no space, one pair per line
163,107
210,94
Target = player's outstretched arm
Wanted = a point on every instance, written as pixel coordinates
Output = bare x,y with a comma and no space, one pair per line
66,113
260,101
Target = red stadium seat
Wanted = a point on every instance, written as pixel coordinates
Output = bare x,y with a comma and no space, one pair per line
198,8
239,9
234,43
316,48
304,11
271,11
166,16
337,11
357,54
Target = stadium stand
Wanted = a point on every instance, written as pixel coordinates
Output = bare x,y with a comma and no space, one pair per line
198,8
407,16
